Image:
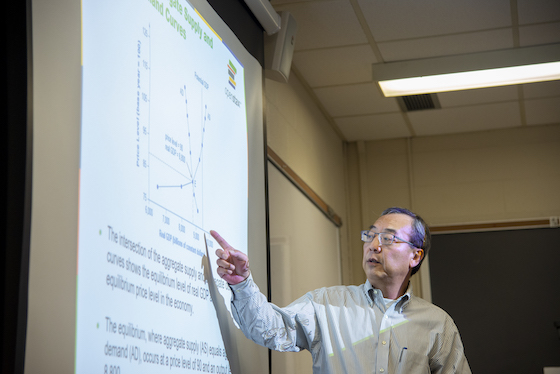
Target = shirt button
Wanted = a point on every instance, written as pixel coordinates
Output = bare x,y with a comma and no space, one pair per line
381,370
383,342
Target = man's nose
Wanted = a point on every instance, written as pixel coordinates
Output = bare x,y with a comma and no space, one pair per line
375,244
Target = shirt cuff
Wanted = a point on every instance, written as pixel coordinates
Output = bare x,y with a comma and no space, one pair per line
245,289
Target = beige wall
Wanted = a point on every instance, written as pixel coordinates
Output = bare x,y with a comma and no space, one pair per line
301,135
499,175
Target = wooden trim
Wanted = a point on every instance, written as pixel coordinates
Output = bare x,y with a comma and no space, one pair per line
491,226
303,187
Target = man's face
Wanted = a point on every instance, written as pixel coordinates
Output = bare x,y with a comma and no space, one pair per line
387,265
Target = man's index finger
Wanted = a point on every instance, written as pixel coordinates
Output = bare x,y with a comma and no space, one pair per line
221,241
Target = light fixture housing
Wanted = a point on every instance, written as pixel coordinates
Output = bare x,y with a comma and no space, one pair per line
463,72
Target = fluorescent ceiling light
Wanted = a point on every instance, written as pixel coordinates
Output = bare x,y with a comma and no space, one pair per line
463,72
472,79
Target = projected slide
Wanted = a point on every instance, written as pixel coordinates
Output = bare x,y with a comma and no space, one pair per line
163,161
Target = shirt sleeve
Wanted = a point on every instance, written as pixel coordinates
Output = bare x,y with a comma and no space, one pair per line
450,356
288,329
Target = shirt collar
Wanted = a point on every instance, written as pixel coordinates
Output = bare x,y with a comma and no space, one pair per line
372,293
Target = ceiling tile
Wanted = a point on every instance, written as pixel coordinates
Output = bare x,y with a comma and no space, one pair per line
322,24
393,20
373,127
334,66
334,58
546,33
534,11
465,119
542,111
355,99
446,45
541,89
480,96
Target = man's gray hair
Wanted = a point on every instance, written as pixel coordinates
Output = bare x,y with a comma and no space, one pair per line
421,236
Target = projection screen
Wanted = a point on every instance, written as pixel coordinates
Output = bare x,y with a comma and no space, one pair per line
147,135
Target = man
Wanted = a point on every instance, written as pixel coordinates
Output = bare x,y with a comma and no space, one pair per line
378,327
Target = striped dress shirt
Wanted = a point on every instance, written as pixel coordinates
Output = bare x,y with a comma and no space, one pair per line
350,329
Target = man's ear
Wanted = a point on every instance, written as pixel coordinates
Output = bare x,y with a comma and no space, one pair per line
418,256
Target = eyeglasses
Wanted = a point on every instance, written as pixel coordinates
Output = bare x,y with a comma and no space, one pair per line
385,238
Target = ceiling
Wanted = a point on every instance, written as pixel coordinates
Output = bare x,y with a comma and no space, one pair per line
338,40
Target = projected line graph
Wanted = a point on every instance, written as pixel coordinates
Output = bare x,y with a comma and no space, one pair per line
176,164
176,120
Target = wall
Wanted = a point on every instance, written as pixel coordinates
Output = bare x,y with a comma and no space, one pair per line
301,135
486,176
501,175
